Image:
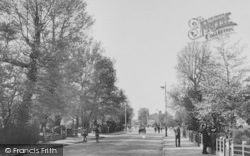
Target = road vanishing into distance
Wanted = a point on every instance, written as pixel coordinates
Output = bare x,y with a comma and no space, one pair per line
131,144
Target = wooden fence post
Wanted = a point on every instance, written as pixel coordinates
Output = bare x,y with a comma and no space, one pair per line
201,139
191,136
220,145
232,148
243,148
223,147
44,134
216,146
194,137
61,132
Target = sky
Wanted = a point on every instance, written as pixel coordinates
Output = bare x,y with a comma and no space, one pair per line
145,36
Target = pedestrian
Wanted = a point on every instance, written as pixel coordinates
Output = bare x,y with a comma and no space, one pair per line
155,129
84,134
158,128
177,136
97,134
166,130
205,138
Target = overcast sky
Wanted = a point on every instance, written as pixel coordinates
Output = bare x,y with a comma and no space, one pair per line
144,37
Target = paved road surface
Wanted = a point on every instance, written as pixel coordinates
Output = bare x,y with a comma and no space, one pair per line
132,144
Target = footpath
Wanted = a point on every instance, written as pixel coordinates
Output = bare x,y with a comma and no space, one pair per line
187,148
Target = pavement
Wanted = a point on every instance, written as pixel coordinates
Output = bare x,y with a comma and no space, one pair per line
187,148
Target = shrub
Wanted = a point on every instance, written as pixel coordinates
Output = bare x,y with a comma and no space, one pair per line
19,135
241,135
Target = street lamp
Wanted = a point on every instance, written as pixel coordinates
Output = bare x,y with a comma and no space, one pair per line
165,96
126,117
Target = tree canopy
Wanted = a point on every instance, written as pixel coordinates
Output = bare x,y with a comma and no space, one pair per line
212,82
52,70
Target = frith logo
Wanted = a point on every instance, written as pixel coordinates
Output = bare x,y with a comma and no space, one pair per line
210,27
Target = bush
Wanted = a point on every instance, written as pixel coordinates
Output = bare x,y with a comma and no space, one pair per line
57,129
241,135
19,135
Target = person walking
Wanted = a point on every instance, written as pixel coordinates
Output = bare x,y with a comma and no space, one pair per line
97,134
205,138
84,135
166,130
178,136
159,129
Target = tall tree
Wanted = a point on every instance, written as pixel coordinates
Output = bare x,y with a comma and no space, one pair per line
38,36
192,60
43,29
224,85
143,114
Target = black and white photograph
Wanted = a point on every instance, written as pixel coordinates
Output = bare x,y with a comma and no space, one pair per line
124,77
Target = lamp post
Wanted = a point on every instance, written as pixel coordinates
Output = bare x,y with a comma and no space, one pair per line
126,117
165,96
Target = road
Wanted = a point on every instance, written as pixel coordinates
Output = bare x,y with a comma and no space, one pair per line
132,144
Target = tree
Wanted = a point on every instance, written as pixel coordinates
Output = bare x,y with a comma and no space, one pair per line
10,93
93,76
36,36
224,85
79,73
214,82
55,67
143,114
192,60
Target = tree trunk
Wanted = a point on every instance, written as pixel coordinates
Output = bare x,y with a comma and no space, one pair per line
24,108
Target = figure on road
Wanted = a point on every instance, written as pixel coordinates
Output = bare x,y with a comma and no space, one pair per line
97,133
205,138
166,130
84,134
177,136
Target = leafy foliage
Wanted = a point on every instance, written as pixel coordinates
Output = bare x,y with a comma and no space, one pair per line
52,69
213,82
143,114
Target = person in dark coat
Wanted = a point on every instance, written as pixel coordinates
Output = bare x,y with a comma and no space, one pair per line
178,136
97,134
205,138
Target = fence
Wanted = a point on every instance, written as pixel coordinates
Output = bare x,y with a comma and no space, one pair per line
196,138
52,136
226,147
220,146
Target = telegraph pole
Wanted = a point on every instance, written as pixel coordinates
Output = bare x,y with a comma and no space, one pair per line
166,119
126,117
